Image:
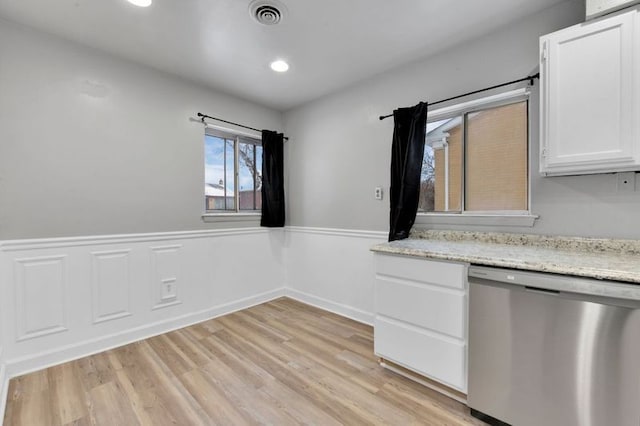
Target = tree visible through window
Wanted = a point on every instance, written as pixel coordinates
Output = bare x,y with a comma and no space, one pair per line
233,173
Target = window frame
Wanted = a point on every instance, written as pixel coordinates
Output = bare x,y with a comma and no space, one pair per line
476,217
236,215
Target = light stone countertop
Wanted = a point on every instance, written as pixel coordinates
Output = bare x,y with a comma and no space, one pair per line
606,259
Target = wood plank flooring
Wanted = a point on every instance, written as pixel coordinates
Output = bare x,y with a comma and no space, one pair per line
280,363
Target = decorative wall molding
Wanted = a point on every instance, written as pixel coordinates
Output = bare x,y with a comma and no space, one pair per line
59,242
59,355
338,232
111,280
101,290
40,285
165,270
66,297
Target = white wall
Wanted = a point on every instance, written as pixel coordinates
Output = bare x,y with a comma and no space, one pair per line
341,151
92,144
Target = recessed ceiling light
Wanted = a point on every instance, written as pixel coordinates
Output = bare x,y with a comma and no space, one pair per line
279,66
141,3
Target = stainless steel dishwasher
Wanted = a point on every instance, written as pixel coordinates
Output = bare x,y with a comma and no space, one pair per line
549,349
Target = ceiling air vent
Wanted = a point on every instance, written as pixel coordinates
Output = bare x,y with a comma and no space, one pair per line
266,12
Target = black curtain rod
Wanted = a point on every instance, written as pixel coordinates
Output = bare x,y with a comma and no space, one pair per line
203,116
530,78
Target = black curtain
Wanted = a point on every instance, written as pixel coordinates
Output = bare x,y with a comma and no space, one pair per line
272,179
406,165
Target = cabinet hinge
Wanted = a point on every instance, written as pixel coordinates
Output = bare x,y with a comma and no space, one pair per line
544,153
543,54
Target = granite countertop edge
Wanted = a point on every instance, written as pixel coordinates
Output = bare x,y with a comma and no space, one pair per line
617,261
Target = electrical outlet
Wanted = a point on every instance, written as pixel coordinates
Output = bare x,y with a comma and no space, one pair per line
378,193
168,289
626,182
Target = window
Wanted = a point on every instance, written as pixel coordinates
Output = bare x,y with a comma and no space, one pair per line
233,173
476,158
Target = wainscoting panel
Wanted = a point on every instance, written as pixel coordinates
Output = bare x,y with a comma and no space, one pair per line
40,287
110,285
165,270
333,269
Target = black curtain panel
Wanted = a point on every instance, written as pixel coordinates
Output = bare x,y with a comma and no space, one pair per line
406,165
272,179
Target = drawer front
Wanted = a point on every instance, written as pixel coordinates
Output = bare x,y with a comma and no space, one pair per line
436,357
440,273
439,309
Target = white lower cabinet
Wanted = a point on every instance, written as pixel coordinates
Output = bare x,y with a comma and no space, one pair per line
421,317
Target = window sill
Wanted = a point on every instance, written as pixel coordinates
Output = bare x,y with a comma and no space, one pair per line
475,219
231,217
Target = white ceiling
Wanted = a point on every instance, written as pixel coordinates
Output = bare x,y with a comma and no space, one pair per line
329,43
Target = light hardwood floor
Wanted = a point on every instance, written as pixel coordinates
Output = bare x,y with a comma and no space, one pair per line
279,363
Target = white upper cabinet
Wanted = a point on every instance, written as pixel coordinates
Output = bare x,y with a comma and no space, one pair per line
590,97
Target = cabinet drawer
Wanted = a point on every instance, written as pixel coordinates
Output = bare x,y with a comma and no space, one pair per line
436,357
439,309
428,271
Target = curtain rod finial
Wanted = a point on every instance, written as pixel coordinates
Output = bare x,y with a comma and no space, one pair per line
532,79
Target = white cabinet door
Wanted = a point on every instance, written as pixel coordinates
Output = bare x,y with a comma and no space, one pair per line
590,97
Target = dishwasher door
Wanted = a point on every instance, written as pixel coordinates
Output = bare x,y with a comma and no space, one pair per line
552,358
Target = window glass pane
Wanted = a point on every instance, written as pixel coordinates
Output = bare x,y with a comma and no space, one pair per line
218,166
250,176
441,180
230,181
496,175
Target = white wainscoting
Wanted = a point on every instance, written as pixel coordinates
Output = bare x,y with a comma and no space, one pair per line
110,285
39,287
332,269
65,298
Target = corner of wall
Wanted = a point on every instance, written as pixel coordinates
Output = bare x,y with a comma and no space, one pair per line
4,387
4,377
332,269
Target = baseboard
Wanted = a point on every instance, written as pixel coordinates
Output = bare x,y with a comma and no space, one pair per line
25,365
327,305
4,389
